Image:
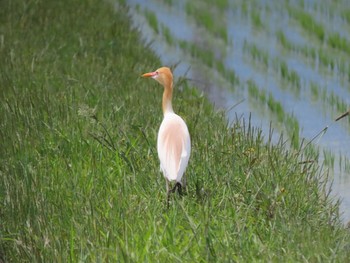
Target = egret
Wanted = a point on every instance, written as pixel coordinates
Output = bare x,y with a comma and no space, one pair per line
173,143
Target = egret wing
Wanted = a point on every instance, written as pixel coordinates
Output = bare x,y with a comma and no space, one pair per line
174,147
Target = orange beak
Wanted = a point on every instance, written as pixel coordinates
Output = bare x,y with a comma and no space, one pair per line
149,74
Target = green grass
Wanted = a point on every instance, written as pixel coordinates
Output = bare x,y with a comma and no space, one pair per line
314,90
325,58
332,49
288,120
338,42
167,35
256,19
207,17
168,2
281,37
207,57
257,54
152,20
347,165
308,22
328,158
290,77
80,175
221,4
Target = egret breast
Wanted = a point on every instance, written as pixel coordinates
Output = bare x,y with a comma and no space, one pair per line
173,146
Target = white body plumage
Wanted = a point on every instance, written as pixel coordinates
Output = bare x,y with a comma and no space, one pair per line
174,147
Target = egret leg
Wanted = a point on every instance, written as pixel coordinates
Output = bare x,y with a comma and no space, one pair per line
173,190
167,185
168,191
184,182
179,188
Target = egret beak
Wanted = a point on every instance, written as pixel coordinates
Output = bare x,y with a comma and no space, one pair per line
150,74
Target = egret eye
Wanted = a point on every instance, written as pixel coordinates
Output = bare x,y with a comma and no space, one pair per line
155,74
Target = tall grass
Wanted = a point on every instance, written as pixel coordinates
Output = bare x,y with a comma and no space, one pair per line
80,176
288,120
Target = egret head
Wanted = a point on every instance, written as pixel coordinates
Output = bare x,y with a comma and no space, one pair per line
163,75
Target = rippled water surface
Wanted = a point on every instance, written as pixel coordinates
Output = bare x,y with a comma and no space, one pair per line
284,63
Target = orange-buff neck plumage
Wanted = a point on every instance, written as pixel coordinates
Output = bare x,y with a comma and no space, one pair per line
173,143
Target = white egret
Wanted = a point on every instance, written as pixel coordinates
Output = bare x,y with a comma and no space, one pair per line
173,143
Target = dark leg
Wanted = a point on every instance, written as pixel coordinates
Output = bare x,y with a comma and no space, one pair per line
184,182
167,193
177,186
173,190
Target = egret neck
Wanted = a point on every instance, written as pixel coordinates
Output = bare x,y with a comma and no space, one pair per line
167,97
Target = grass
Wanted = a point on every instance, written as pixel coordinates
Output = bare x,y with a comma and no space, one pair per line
208,18
324,58
256,19
288,120
207,57
152,20
281,37
338,42
314,89
167,35
328,158
80,175
336,105
330,52
221,4
308,22
257,54
346,165
346,15
168,2
204,17
290,77
337,102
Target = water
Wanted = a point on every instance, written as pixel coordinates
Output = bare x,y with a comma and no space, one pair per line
230,37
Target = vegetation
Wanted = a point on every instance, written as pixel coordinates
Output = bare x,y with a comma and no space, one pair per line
276,110
209,18
290,77
256,19
152,20
167,35
308,22
257,54
80,175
